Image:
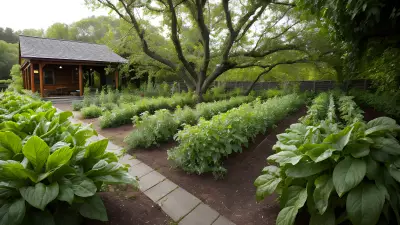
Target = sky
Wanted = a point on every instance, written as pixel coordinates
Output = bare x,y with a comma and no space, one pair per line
37,14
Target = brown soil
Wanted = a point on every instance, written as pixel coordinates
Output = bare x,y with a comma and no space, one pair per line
234,195
130,207
371,113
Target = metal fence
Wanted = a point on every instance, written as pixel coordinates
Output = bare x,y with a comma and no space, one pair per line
320,85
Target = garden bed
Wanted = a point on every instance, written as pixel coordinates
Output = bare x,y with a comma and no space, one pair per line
131,207
234,195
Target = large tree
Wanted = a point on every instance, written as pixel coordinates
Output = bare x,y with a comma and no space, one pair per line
210,38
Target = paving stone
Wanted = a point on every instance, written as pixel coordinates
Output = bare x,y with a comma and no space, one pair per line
160,190
201,215
140,170
178,203
111,146
128,159
222,221
150,179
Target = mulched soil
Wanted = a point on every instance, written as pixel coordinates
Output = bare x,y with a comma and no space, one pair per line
234,195
130,207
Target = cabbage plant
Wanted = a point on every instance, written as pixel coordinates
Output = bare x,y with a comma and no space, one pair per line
49,171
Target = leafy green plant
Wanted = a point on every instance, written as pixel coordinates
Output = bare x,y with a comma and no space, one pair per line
163,125
338,174
349,110
318,109
203,147
77,105
91,111
126,112
49,172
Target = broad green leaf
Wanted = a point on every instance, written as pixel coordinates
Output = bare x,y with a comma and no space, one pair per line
287,216
10,141
364,204
58,158
388,145
83,186
266,184
379,156
111,173
394,172
305,169
8,190
339,140
347,174
328,218
285,157
82,134
323,189
12,213
295,196
96,149
381,121
58,145
93,208
282,147
357,150
66,193
40,195
63,116
37,152
11,170
318,152
381,124
373,170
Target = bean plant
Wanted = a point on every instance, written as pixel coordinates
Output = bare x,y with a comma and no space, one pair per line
203,147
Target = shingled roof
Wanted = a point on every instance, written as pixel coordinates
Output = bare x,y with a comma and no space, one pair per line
45,48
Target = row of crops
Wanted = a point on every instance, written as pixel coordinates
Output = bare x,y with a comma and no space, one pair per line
49,172
335,166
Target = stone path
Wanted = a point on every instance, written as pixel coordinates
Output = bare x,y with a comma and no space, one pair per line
176,202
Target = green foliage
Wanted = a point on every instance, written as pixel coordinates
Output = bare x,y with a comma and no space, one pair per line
318,109
124,114
226,133
8,81
48,168
16,77
332,170
8,58
91,111
77,105
163,125
384,102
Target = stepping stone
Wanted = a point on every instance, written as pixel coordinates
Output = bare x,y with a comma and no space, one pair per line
201,215
160,190
139,170
149,180
222,221
178,203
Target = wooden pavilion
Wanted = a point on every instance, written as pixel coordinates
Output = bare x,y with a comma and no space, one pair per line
62,67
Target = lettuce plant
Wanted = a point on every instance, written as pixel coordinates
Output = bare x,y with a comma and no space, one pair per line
49,172
203,147
337,173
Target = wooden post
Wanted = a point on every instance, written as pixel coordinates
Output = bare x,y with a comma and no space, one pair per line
41,79
32,78
80,80
116,79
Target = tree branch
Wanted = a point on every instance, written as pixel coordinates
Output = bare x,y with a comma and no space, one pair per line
176,41
205,34
284,3
255,18
285,30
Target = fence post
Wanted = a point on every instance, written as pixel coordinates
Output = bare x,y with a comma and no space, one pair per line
314,86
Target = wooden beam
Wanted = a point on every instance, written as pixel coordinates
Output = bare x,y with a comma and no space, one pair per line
80,80
32,78
116,79
41,81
